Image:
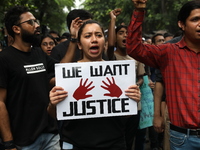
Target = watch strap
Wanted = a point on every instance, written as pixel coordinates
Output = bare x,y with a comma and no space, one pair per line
73,40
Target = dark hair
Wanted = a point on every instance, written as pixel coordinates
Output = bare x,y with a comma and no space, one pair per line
54,32
154,36
119,28
186,10
48,35
12,18
82,13
167,34
65,35
178,33
83,26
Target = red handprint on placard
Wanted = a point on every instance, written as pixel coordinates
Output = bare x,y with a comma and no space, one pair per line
114,90
80,92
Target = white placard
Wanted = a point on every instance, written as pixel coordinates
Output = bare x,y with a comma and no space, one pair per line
95,89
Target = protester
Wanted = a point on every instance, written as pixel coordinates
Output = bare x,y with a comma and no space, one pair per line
64,37
7,39
93,133
178,65
24,87
148,40
47,43
161,118
55,35
168,36
59,51
156,139
117,38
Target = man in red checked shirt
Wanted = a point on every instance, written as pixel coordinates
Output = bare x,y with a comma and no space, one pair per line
180,67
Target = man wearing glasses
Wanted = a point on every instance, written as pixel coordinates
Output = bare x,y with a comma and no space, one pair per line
24,90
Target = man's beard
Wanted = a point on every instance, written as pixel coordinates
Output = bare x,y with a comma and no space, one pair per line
33,39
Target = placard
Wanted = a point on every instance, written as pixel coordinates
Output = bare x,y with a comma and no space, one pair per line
95,89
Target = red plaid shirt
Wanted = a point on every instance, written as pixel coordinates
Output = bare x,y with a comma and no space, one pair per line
180,67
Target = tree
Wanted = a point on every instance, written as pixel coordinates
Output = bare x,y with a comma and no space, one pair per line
161,14
100,10
49,12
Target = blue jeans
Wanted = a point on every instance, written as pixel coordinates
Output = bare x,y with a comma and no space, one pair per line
45,141
181,141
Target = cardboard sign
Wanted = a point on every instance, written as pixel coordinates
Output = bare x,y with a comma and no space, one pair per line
95,89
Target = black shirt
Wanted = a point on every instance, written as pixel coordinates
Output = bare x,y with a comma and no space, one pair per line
25,77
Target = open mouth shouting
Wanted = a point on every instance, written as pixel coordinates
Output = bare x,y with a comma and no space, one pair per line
94,49
198,32
124,42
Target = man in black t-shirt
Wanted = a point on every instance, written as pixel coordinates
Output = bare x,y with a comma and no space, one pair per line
24,87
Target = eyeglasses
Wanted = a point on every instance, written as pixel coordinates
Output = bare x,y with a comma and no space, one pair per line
50,43
31,22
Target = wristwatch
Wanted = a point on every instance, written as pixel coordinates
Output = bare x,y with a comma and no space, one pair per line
73,40
9,145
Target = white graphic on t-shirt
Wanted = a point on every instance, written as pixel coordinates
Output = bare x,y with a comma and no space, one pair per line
36,68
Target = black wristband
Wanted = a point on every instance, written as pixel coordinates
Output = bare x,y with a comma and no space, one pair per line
9,145
73,40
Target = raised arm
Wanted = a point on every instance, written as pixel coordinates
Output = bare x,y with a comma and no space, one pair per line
134,37
75,25
111,33
139,4
148,54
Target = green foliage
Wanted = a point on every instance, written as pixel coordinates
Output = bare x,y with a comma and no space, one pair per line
49,12
161,14
104,8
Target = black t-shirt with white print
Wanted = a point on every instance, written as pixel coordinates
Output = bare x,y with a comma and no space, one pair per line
25,77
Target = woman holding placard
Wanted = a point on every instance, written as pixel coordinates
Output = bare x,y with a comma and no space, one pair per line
94,133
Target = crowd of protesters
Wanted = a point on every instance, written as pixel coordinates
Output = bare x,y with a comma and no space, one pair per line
166,88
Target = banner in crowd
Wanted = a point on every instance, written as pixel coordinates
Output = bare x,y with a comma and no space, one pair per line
147,104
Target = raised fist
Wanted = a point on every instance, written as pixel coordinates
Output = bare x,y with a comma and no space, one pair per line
139,4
